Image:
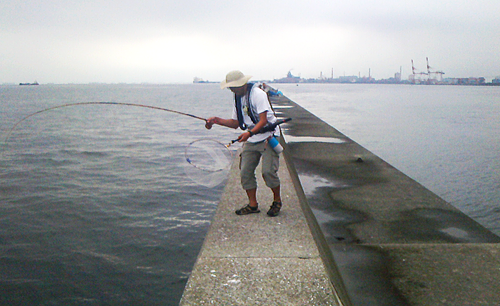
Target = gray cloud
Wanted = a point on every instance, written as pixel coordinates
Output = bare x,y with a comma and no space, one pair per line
173,41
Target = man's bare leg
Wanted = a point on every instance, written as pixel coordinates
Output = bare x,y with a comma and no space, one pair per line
252,197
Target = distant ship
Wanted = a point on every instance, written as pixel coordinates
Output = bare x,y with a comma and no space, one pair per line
35,83
197,80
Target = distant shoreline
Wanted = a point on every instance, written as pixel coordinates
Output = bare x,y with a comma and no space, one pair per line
266,81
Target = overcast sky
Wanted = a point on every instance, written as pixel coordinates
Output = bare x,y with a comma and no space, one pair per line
164,41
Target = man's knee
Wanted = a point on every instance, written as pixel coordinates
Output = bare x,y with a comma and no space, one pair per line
248,180
271,178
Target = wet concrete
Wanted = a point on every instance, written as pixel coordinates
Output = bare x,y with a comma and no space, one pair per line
393,241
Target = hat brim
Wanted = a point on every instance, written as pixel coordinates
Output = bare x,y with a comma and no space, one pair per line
237,83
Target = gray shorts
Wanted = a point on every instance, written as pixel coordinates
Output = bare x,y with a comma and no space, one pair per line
249,160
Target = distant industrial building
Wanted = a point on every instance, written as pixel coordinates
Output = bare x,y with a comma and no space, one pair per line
427,77
289,79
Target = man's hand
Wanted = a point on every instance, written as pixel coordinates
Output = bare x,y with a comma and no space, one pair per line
244,137
210,122
230,123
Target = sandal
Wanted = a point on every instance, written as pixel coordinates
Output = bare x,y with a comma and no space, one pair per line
247,210
275,209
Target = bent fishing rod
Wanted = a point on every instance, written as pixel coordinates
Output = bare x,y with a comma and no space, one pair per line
105,103
266,128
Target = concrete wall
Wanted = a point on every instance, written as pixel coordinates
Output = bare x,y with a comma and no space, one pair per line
353,231
393,241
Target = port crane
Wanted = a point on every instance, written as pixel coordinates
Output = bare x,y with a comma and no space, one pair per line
414,75
421,75
439,74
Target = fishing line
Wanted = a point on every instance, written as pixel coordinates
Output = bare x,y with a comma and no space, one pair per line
91,103
212,155
208,155
208,162
211,159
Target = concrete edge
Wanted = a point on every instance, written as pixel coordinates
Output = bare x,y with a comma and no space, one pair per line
325,252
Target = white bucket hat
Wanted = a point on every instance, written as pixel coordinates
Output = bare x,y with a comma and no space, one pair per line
235,78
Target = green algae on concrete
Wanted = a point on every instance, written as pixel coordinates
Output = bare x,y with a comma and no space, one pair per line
393,241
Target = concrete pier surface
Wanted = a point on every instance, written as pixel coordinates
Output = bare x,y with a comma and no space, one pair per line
353,231
256,259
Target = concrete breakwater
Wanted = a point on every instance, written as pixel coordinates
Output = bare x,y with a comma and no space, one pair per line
377,236
259,260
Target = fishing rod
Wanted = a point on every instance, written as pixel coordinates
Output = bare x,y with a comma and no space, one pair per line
266,128
106,103
210,155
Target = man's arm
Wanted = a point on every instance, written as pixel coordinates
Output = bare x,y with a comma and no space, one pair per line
262,122
230,123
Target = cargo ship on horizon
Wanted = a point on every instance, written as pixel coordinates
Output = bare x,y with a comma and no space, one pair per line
34,83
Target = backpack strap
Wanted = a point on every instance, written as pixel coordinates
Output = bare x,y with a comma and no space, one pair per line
239,109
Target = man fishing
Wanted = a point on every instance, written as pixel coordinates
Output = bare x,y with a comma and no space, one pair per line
252,112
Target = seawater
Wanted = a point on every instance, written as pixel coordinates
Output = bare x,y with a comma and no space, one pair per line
444,137
95,206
